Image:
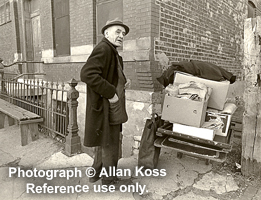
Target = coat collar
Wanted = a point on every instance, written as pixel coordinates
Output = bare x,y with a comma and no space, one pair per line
110,44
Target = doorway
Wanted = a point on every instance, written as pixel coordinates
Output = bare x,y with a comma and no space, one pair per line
32,36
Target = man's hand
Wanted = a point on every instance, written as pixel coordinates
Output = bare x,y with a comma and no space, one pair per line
114,99
128,84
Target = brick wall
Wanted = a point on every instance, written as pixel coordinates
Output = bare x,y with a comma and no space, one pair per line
137,15
140,75
62,72
8,40
202,30
180,30
81,22
143,19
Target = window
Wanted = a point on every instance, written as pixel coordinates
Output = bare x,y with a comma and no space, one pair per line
34,5
105,12
61,27
251,10
5,13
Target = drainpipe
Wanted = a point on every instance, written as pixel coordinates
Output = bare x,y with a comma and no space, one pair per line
17,32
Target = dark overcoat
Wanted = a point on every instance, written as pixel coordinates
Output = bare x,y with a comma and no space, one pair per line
100,75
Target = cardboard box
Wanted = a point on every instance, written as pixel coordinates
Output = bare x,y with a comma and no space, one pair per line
203,133
184,111
218,96
223,119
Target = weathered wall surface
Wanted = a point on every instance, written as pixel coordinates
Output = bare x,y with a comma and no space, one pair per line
251,135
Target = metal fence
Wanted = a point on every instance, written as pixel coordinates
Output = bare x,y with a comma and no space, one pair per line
47,99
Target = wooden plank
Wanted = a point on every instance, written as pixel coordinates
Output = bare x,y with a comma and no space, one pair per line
2,120
11,121
34,133
28,121
29,132
31,121
257,142
16,112
24,129
248,136
251,133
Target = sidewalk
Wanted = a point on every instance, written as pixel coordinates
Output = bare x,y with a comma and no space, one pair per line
187,178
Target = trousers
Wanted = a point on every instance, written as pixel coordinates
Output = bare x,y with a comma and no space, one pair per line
106,157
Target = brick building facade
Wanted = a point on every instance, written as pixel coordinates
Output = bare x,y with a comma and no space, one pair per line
60,35
162,31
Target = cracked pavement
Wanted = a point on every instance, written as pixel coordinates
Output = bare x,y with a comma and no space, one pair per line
187,178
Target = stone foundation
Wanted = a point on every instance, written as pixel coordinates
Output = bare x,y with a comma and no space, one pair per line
140,105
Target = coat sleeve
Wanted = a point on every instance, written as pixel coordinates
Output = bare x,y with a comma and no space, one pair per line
91,73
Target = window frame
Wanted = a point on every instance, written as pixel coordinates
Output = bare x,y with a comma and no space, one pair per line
105,12
56,32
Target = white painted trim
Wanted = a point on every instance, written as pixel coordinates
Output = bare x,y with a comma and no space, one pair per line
66,59
81,50
133,50
47,53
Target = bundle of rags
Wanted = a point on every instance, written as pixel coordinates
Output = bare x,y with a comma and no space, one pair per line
196,68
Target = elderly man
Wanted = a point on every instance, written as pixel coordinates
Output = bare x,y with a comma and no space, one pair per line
105,110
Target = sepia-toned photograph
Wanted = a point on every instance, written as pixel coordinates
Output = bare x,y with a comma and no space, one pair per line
130,99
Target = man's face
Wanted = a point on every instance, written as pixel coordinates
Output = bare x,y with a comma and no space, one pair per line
115,35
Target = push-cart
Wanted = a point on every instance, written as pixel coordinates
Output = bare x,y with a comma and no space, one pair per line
215,150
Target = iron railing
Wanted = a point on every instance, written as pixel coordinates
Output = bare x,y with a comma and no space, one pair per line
47,99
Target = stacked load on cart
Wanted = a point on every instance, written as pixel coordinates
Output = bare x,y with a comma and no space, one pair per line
197,106
195,110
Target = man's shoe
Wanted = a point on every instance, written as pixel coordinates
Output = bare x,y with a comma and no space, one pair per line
94,179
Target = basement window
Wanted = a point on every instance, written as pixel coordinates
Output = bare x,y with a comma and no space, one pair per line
5,13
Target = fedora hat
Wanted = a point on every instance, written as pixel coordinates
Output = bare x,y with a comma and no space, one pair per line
114,22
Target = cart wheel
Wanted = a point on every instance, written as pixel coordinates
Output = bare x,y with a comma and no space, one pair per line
179,155
207,162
